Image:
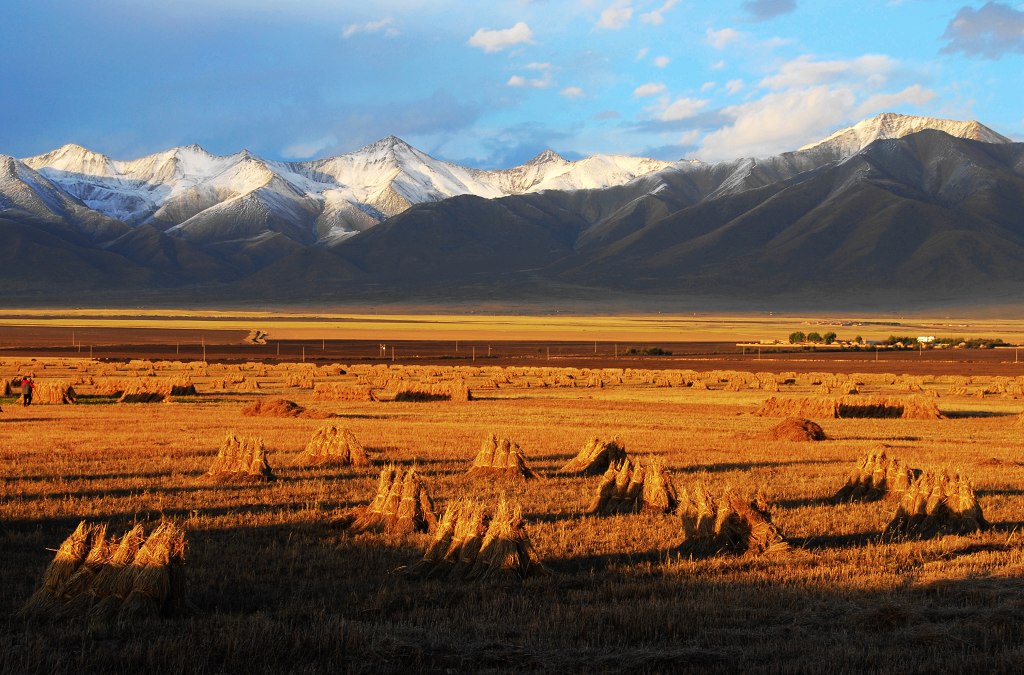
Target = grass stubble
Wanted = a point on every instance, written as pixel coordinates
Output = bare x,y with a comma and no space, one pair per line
277,586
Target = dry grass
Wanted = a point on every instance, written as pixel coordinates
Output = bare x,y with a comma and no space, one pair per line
278,588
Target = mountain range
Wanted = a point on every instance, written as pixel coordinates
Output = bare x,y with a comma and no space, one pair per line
894,210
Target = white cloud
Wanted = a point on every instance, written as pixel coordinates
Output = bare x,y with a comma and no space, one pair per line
778,122
690,137
573,92
662,61
649,89
719,39
654,17
617,16
306,149
734,86
804,71
544,80
497,40
708,86
915,95
382,26
682,109
642,54
718,65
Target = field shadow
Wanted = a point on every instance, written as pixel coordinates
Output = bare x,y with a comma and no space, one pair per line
834,541
39,478
967,414
805,501
1002,492
602,562
11,420
909,439
747,466
552,517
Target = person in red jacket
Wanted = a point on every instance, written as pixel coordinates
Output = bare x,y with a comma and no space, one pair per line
27,385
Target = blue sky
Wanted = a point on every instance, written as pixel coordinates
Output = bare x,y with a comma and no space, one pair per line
492,84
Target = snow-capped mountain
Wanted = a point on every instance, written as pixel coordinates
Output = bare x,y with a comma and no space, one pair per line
190,193
850,140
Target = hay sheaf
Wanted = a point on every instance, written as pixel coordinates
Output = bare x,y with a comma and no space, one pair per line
876,476
470,545
333,445
402,505
595,458
630,487
335,391
100,578
500,457
936,505
729,525
241,460
909,407
279,407
53,392
442,391
794,429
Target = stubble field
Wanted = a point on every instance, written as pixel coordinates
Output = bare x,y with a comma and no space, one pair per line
276,584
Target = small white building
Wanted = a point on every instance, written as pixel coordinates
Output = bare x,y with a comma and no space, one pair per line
926,339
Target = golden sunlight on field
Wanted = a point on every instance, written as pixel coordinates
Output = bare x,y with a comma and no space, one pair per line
328,518
489,326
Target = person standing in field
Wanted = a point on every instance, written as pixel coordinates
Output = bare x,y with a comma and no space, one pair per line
27,385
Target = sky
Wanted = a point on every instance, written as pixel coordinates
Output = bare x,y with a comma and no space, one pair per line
492,84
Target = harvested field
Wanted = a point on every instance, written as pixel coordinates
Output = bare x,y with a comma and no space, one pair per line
275,584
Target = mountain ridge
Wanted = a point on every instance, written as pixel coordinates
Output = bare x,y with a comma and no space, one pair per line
934,214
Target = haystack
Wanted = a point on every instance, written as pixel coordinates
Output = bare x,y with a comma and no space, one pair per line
728,525
629,487
500,458
937,504
279,407
333,445
595,458
99,578
241,459
876,476
794,429
140,394
53,392
467,544
336,391
402,505
442,391
910,407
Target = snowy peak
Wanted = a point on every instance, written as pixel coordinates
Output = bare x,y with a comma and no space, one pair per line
73,158
547,157
893,125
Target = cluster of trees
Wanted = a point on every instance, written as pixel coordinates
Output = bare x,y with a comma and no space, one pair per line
799,337
897,341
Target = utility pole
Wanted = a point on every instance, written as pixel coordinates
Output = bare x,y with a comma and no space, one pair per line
303,353
474,353
392,353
